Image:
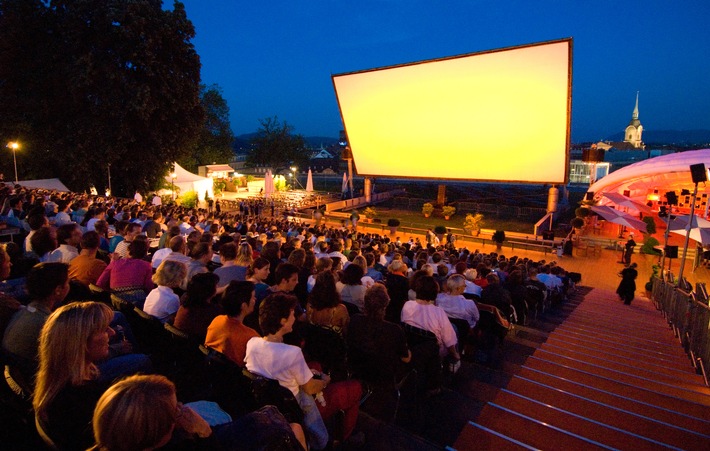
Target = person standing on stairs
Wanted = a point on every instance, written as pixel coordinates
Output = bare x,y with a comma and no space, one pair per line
627,286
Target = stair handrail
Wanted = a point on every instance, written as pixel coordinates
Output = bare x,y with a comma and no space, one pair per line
688,317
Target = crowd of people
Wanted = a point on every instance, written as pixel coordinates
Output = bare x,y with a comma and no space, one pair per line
315,308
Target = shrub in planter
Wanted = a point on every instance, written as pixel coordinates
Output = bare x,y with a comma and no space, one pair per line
370,212
188,199
648,246
650,225
448,211
427,209
472,223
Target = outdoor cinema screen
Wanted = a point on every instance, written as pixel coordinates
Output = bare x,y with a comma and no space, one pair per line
501,115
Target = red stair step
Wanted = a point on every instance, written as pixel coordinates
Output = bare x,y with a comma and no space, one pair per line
624,389
530,432
626,366
634,428
684,391
617,400
623,340
675,362
477,437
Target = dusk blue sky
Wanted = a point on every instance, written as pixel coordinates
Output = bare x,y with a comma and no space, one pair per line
275,58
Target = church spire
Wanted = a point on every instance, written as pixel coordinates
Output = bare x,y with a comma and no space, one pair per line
636,109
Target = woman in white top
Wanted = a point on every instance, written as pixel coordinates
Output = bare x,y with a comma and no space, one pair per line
455,304
272,358
424,314
162,302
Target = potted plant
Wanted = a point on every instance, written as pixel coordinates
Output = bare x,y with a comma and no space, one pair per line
427,209
370,213
448,211
650,225
393,224
498,237
472,223
649,285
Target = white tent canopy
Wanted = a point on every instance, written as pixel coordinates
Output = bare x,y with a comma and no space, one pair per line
51,184
187,181
665,173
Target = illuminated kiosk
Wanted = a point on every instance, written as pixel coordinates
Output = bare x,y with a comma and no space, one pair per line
495,116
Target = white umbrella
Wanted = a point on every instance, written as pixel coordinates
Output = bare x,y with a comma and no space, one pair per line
619,217
309,181
268,184
699,228
345,183
623,201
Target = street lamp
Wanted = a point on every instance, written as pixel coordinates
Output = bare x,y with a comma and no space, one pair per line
173,176
14,146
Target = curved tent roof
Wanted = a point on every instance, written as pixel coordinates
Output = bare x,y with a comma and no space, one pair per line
665,173
187,181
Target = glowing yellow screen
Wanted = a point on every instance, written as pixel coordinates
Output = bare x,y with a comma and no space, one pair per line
497,116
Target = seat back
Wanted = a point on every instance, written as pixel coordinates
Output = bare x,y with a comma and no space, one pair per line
462,328
327,347
99,294
134,295
228,385
416,336
151,335
269,392
352,308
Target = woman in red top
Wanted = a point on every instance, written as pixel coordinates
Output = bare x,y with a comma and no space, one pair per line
131,274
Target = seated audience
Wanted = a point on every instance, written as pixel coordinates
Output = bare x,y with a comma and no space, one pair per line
197,306
377,348
351,289
271,357
147,406
73,349
324,307
232,263
86,268
227,333
68,237
131,274
424,314
455,304
162,302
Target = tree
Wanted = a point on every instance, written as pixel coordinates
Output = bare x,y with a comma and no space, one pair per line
214,142
88,83
276,146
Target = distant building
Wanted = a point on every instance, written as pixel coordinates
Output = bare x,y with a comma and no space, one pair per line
632,134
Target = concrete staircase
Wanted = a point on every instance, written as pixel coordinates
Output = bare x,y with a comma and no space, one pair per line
608,376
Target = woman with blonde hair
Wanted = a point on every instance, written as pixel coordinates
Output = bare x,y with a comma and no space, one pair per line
245,255
74,338
162,302
144,405
147,408
367,281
